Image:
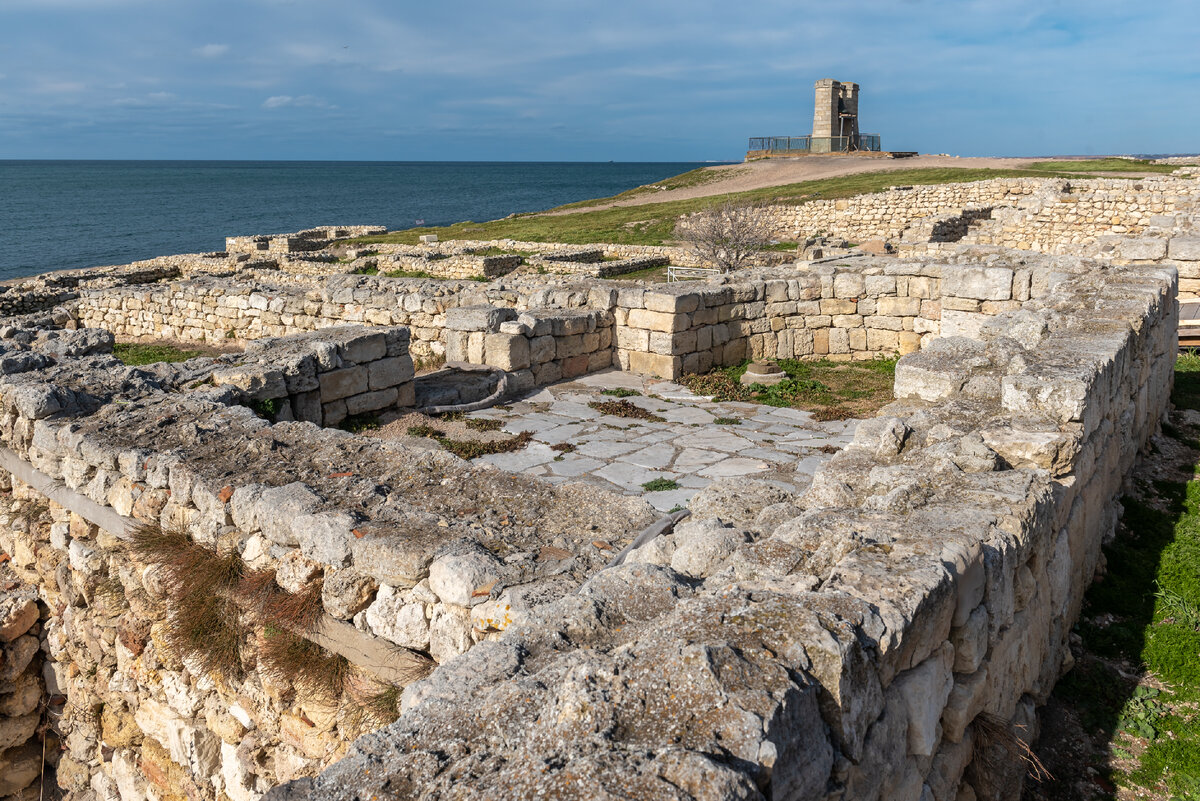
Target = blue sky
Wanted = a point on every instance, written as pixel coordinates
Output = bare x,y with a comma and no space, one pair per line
623,80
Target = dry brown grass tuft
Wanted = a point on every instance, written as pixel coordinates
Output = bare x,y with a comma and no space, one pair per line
291,659
204,626
186,566
376,701
294,611
997,745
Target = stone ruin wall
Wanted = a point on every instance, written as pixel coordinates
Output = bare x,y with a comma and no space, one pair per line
840,644
1038,214
1035,452
86,459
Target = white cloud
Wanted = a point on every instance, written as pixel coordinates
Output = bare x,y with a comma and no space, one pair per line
212,50
303,101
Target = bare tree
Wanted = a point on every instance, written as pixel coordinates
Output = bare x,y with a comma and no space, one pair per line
727,236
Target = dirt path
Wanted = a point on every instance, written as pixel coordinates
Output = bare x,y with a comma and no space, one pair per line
778,172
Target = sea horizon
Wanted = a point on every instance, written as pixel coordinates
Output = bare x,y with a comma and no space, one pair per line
66,214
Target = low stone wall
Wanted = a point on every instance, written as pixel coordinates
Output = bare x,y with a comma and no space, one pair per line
881,637
325,376
536,348
1054,214
388,549
301,241
213,310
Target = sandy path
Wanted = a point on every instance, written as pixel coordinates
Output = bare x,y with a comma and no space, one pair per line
778,172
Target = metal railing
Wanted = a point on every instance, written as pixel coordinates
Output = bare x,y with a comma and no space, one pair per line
675,273
815,144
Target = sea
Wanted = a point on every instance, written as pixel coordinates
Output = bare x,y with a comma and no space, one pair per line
57,215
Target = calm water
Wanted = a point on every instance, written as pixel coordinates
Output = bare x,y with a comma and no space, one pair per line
68,214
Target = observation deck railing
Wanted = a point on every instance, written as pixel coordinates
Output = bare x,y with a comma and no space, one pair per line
815,144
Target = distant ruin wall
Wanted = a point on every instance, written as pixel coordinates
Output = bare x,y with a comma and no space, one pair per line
1053,215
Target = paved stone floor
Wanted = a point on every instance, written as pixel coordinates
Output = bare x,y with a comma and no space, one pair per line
779,445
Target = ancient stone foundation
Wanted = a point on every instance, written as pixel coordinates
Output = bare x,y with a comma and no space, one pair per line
209,592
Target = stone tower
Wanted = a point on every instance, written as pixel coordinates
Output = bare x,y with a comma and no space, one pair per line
835,112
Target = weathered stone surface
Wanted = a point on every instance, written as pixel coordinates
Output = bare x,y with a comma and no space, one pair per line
17,614
702,545
399,619
345,593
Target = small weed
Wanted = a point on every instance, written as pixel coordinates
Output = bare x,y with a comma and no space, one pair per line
431,362
473,450
620,392
425,431
358,423
563,447
623,408
368,270
266,408
661,485
479,278
483,424
727,421
230,334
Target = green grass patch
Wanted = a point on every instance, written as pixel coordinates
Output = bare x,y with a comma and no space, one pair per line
654,223
408,274
654,275
620,392
727,421
830,390
661,485
1102,165
1146,612
134,354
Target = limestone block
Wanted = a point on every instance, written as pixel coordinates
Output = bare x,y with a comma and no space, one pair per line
1184,248
449,632
257,382
274,509
188,744
389,372
372,401
924,690
463,579
478,318
325,537
17,730
655,364
979,283
18,612
1141,249
398,619
848,285
506,351
658,321
19,768
364,348
970,641
347,592
543,348
294,572
15,657
22,695
702,545
898,307
672,303
343,383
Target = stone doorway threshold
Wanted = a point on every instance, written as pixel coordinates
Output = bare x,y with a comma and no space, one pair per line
783,446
